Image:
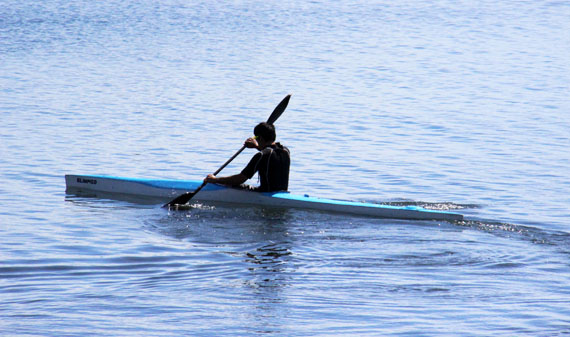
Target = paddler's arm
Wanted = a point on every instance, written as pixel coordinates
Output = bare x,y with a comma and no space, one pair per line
236,179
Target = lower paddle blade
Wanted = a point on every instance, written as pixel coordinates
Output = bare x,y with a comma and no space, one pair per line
180,200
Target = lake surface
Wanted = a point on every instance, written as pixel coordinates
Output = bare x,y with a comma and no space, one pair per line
446,104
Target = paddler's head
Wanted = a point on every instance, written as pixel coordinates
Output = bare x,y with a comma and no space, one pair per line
265,134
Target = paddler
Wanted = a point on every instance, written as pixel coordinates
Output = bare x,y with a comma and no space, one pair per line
271,163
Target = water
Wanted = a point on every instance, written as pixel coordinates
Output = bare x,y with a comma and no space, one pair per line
446,104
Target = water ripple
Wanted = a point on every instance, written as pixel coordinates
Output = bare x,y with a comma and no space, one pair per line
447,105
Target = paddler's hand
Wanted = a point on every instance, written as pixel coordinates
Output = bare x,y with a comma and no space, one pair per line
210,178
251,143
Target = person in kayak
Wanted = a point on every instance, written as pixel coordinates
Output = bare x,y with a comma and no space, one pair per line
271,163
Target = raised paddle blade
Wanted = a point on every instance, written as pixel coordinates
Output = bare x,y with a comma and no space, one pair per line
279,110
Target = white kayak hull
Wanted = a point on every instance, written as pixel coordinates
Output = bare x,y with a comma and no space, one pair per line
169,189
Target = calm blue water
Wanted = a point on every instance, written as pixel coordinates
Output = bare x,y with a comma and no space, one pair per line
448,104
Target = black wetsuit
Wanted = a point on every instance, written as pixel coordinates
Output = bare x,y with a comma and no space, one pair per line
272,164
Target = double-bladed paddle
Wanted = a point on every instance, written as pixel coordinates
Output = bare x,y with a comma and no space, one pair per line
184,198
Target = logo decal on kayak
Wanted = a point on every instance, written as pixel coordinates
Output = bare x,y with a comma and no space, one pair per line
87,181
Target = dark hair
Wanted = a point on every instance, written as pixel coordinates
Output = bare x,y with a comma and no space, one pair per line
265,131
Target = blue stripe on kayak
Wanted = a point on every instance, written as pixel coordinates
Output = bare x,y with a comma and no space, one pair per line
189,185
304,198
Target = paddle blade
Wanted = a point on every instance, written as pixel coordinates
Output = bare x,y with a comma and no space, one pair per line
279,110
180,200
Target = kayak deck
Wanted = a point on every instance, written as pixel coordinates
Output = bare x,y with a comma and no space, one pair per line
167,189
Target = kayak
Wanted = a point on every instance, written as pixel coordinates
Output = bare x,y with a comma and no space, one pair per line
166,189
